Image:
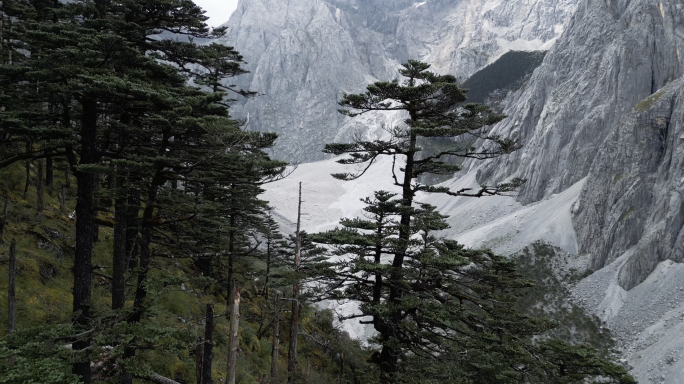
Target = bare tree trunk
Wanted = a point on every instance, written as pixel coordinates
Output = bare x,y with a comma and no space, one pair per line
144,265
96,207
28,178
275,353
85,223
49,170
67,179
132,221
120,258
296,305
3,223
11,294
62,199
40,186
231,259
233,337
268,266
208,354
199,359
294,339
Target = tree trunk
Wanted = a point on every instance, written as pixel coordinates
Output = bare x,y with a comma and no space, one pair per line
85,224
275,353
145,241
233,339
133,225
67,177
120,258
96,207
296,305
28,178
389,360
231,259
294,339
11,294
62,199
49,170
3,223
145,257
40,186
268,266
208,353
199,359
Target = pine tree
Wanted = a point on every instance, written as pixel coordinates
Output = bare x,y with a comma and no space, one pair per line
431,299
434,105
114,108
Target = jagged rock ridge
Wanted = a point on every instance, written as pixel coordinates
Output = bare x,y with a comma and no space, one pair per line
303,54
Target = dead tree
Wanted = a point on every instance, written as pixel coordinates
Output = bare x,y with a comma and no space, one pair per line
233,339
296,305
275,353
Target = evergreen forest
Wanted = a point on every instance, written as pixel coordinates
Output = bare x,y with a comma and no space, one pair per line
136,246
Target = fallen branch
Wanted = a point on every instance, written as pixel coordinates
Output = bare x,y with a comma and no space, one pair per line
159,379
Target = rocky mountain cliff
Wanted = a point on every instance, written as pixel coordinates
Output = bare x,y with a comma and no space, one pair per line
601,121
607,108
303,54
605,104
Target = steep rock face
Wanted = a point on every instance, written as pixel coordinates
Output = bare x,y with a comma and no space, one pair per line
303,54
635,192
613,55
576,118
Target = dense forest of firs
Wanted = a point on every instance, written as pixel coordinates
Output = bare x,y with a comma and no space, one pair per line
134,246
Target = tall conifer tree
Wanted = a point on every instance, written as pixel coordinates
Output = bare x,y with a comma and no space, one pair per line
427,297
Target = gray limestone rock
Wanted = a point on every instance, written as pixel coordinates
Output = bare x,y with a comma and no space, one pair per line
581,114
303,54
634,194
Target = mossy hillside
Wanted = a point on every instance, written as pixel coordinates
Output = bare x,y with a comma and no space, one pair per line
175,319
43,262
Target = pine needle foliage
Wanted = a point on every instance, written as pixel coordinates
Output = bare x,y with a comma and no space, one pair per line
442,312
